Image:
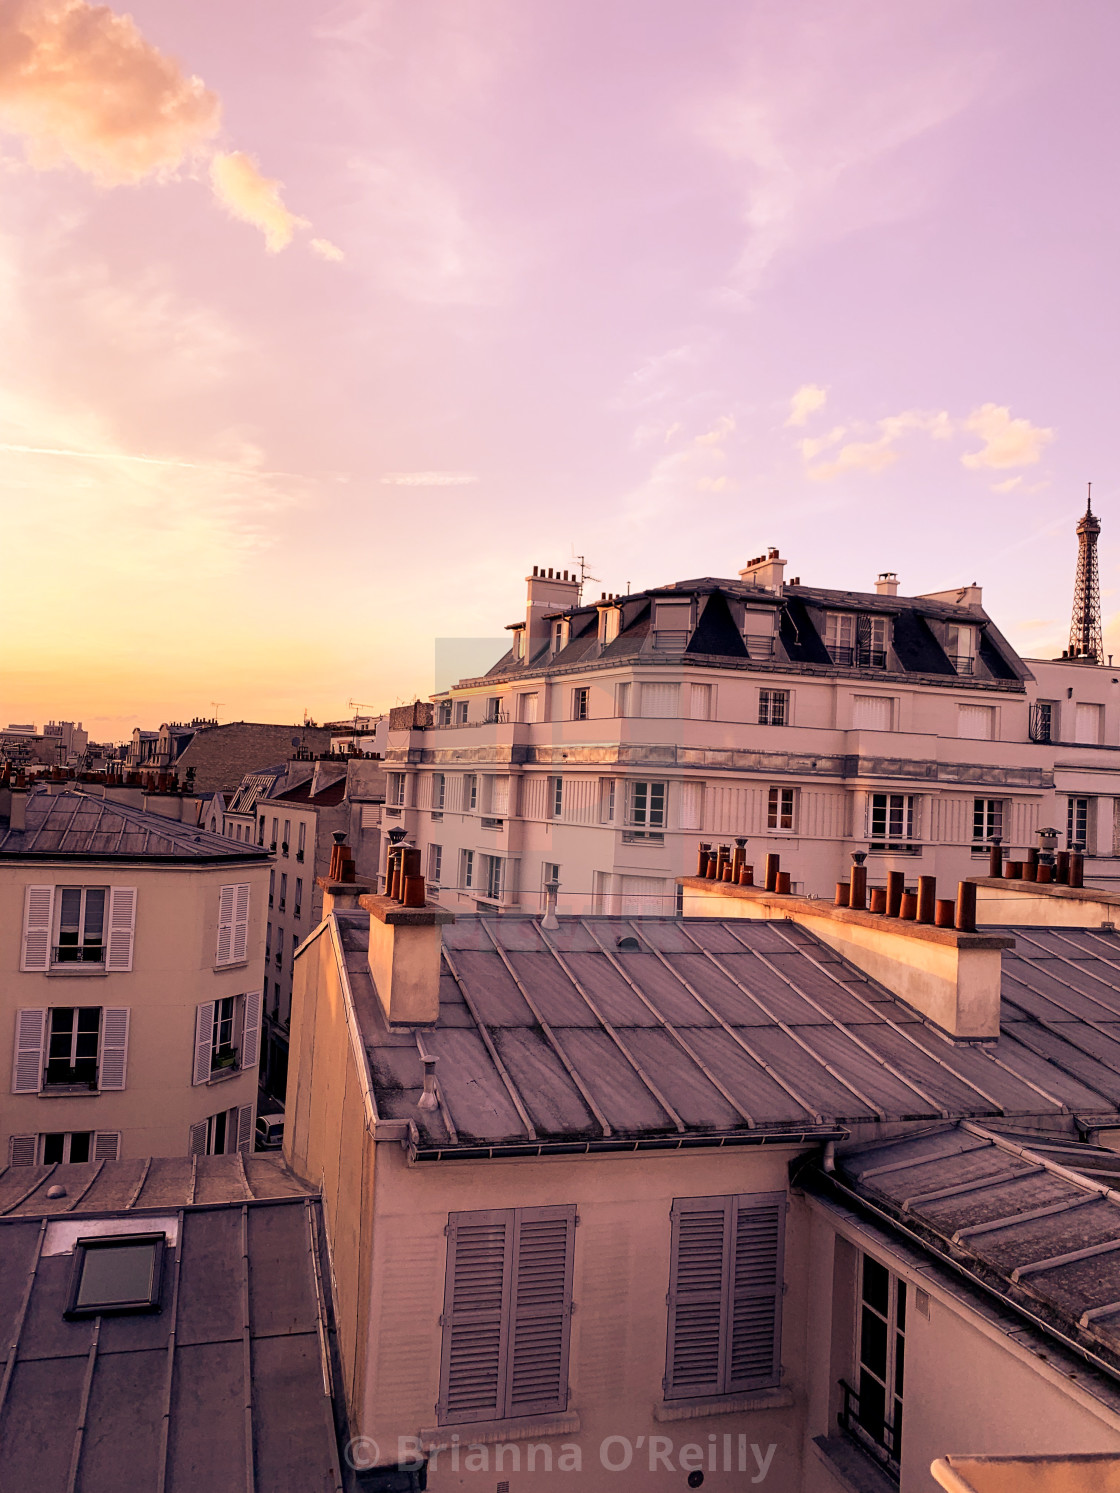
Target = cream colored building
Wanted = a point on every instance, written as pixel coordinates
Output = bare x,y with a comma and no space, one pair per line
130,948
618,1196
814,722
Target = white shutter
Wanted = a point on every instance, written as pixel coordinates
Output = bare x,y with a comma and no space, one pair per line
871,712
122,924
106,1145
203,1041
1087,724
114,1047
37,910
227,902
700,702
196,1146
22,1150
643,896
245,1127
975,722
691,797
659,701
499,797
241,923
251,1029
27,1065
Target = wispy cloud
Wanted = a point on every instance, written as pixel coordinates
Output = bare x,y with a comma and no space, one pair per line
873,455
246,194
1007,442
808,399
429,479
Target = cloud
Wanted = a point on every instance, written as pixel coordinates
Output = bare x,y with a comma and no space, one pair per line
813,446
856,456
718,433
240,187
808,399
873,455
1007,442
326,250
1008,486
429,479
81,86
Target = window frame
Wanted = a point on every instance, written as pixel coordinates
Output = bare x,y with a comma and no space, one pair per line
581,703
1073,815
909,840
767,698
781,810
77,951
73,1037
988,815
556,797
642,820
149,1302
886,1447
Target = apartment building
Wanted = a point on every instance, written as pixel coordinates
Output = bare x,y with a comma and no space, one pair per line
612,735
131,946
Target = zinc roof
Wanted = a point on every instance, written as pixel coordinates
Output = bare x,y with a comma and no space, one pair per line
73,823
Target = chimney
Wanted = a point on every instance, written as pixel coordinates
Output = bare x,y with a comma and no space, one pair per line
404,957
17,814
766,571
548,592
887,584
550,921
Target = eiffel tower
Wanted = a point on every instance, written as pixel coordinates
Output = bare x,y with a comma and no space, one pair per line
1085,640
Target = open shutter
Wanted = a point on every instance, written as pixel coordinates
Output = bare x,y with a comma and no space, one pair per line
756,1314
697,1296
106,1145
245,1127
22,1150
37,910
197,1143
479,1265
27,1065
227,902
122,924
203,1041
251,1030
114,1047
240,923
540,1310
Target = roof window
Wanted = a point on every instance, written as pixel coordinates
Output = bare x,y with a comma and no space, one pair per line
116,1274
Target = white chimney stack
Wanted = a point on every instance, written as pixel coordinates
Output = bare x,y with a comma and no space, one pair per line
887,584
549,591
765,571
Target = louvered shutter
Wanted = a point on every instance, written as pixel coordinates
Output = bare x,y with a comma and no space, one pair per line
697,1295
227,902
22,1149
245,1127
114,1047
122,923
27,1064
540,1311
106,1145
479,1267
37,917
251,1030
690,802
203,1041
659,701
756,1310
197,1144
241,923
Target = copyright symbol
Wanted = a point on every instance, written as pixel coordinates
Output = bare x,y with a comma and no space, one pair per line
362,1452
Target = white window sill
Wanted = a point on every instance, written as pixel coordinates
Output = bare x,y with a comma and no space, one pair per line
78,971
485,1432
233,964
759,1399
69,1091
223,1075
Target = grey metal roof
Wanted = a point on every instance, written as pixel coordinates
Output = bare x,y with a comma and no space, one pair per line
1035,1215
222,1389
77,824
144,1182
722,1029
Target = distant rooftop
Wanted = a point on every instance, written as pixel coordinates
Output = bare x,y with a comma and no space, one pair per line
85,826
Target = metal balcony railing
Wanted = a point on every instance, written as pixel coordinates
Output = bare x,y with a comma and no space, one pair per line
873,1432
93,953
859,658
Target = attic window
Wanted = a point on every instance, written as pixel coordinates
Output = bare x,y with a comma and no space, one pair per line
672,622
629,944
116,1273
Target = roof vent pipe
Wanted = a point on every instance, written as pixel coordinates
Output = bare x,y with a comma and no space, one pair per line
550,922
428,1100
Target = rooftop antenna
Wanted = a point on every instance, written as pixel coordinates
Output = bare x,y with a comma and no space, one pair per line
1085,635
215,706
357,706
584,574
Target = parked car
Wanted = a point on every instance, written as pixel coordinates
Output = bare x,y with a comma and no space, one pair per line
270,1132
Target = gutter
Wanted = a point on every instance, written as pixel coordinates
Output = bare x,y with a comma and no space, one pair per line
418,1152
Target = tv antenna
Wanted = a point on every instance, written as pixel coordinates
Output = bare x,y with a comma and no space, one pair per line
215,706
357,706
584,574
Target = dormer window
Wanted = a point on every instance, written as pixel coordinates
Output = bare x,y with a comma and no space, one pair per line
856,640
561,630
962,648
758,631
609,618
672,623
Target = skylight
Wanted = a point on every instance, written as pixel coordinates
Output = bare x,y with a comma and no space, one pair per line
116,1273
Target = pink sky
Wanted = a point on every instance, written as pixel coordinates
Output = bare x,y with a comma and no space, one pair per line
335,319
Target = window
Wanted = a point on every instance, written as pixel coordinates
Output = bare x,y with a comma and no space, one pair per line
773,707
81,926
560,635
494,711
690,803
283,890
645,808
641,896
893,817
856,640
700,702
624,699
725,1295
435,863
72,1045
491,877
609,620
779,809
116,1273
301,841
443,713
556,796
466,873
758,632
987,818
260,831
872,712
550,871
299,896
275,833
271,885
439,790
470,792
227,1034
63,1147
528,707
1044,720
79,1047
606,800
1077,823
1087,723
287,840
462,710
222,1134
660,701
976,722
396,789
580,698
233,924
672,623
268,941
962,649
506,1314
873,1410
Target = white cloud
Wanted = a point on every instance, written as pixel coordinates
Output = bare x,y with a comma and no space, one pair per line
877,454
813,446
246,194
1009,486
429,479
326,250
1007,442
808,399
718,433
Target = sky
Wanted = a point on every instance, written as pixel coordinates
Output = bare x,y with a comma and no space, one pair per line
322,323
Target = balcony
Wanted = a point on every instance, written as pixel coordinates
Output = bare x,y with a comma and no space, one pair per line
93,953
871,1431
964,665
859,658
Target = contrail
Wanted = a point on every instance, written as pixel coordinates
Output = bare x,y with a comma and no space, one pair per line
151,461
